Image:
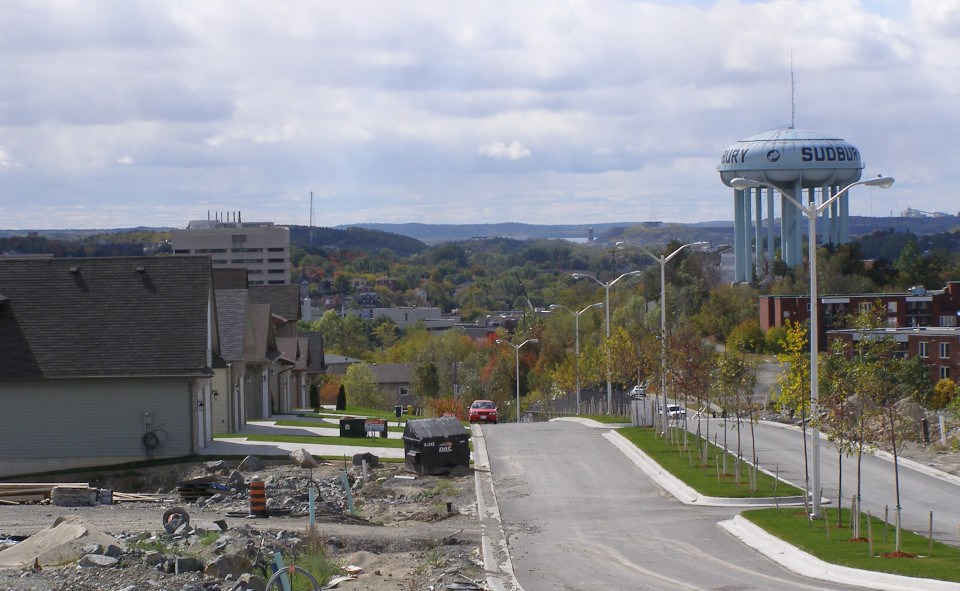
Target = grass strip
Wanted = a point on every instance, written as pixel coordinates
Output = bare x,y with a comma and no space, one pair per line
685,465
322,424
320,440
792,526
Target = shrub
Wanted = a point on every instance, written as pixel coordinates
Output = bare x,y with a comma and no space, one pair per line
450,406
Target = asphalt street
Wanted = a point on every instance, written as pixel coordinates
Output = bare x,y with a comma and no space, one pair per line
580,516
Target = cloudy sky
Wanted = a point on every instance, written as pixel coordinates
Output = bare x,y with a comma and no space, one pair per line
153,112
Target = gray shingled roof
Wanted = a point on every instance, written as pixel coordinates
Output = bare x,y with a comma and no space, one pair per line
284,300
232,321
98,317
230,278
316,359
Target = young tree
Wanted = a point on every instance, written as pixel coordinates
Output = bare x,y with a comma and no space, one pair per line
360,383
733,382
794,394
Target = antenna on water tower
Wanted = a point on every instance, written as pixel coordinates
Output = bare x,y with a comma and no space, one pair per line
793,94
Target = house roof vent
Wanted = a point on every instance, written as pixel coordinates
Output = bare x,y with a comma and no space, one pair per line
918,290
74,270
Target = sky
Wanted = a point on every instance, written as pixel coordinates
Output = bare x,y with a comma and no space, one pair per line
157,112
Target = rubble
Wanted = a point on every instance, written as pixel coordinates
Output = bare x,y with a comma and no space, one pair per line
208,552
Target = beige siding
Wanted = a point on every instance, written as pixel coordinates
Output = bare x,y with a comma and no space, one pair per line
63,422
221,404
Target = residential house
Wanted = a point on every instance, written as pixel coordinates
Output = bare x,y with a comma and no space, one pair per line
393,379
104,360
229,382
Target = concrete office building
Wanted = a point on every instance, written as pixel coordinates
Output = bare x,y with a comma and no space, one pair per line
262,248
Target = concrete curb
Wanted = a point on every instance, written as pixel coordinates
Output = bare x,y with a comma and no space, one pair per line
591,423
681,491
482,465
806,565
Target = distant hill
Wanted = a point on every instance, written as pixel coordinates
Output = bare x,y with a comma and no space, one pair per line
356,239
433,233
719,231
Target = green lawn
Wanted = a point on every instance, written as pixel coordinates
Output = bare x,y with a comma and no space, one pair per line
319,439
354,411
792,526
706,480
391,426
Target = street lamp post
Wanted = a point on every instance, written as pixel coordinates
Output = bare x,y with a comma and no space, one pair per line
516,349
606,286
576,324
663,260
812,211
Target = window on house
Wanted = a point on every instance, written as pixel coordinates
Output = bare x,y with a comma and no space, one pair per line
944,350
948,321
866,306
944,372
923,349
892,307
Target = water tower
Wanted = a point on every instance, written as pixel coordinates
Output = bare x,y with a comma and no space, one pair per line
811,167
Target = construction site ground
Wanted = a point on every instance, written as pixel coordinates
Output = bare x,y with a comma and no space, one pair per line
408,532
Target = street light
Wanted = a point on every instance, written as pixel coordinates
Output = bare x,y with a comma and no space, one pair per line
812,211
606,286
663,260
576,324
517,350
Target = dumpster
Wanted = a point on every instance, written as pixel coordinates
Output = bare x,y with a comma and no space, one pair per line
352,427
435,446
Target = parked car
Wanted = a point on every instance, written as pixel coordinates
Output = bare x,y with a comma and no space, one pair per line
483,411
638,391
675,412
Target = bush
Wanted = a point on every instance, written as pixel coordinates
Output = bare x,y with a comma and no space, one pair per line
774,339
314,397
747,337
450,406
342,398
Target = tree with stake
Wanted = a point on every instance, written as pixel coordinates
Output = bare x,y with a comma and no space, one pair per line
794,395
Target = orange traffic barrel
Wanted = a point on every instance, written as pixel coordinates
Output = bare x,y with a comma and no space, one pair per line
258,498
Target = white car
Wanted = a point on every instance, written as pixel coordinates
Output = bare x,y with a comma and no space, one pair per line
638,392
675,412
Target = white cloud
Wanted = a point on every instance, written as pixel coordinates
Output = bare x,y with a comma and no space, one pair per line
501,151
239,104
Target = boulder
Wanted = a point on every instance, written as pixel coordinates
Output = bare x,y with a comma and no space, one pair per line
303,459
372,460
60,543
228,565
250,464
98,560
252,582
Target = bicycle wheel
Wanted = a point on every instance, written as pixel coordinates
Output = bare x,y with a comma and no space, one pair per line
294,578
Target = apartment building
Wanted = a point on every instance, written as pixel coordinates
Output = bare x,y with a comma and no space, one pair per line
917,307
262,248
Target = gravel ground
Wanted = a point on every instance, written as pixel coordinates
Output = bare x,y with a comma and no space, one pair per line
403,536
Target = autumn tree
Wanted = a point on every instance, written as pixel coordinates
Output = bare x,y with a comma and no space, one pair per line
794,394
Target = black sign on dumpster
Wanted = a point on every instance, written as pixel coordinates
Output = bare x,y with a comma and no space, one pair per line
435,446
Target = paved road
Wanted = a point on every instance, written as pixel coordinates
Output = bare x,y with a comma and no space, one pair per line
919,493
580,516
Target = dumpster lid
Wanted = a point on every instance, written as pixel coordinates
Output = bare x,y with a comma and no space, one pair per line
430,428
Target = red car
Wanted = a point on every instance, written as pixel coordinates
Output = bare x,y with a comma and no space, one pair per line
483,410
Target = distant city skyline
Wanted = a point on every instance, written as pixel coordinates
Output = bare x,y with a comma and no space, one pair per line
154,113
